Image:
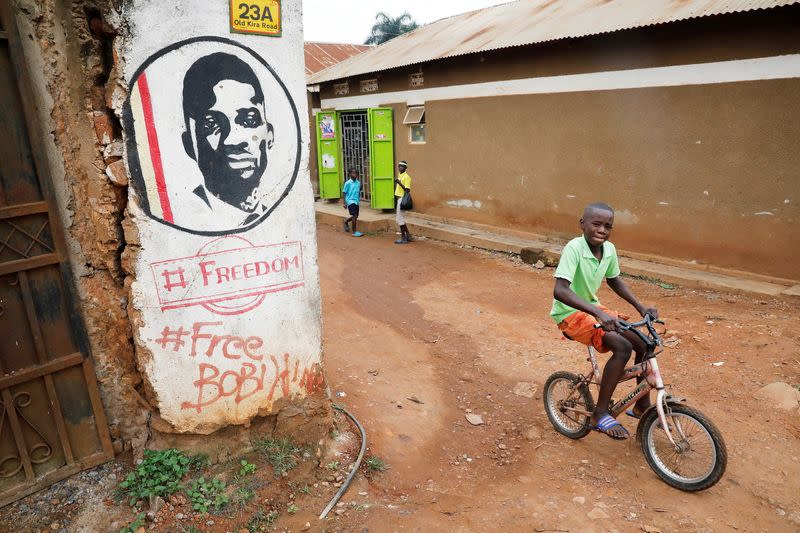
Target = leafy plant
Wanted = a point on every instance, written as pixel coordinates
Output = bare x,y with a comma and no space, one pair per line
262,521
375,464
333,465
282,454
190,529
133,526
207,495
292,509
247,468
158,474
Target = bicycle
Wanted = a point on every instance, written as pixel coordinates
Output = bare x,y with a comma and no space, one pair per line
673,436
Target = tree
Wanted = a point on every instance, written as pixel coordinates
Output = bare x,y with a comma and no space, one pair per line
387,27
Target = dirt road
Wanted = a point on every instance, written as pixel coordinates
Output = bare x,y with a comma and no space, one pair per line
417,336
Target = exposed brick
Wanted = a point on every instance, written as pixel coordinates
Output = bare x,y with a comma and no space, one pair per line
117,173
113,150
103,127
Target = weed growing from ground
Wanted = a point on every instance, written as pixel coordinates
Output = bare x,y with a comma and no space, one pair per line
282,454
333,465
375,464
305,489
158,474
247,468
243,495
262,521
133,526
207,495
190,529
292,509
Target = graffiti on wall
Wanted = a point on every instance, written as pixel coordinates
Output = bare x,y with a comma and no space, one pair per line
229,275
255,371
226,282
213,136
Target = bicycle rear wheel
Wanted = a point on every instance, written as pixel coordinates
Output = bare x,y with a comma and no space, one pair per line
698,459
564,391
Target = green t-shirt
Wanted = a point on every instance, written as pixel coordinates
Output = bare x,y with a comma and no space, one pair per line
585,273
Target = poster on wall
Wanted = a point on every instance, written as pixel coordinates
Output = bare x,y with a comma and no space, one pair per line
218,155
327,127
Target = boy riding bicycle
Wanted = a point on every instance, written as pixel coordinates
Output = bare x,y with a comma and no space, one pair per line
585,261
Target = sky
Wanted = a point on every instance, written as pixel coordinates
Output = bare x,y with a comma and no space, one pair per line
350,21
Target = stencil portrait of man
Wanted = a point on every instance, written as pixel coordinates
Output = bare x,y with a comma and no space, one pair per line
227,134
213,137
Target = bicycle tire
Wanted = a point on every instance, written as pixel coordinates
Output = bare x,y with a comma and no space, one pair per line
710,434
578,428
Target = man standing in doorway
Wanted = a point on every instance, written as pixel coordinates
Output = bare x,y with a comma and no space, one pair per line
403,182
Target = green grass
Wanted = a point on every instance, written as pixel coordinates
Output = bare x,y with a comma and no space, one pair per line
655,281
375,464
262,521
133,526
282,454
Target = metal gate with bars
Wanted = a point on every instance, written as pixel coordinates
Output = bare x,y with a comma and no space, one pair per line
52,423
355,148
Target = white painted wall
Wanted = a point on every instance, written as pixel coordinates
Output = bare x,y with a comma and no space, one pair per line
241,328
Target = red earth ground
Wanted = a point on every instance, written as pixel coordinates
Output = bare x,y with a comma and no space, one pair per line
417,335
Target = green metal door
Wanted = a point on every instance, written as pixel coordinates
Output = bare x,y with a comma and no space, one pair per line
328,136
381,157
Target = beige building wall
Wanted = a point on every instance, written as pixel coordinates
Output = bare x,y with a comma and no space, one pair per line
705,173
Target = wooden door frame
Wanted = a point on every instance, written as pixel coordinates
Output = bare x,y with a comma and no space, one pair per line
39,140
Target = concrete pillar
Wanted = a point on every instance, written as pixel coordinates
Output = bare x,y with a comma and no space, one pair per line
225,291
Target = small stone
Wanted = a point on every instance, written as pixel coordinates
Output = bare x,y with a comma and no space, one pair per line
525,389
780,395
209,522
306,526
650,529
55,501
115,149
580,500
501,446
339,512
597,513
103,128
539,264
117,173
474,419
179,516
156,503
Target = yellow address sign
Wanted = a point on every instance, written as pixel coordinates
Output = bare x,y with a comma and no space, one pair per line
262,17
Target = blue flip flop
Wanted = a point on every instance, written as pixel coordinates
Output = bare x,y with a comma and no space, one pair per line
631,414
607,422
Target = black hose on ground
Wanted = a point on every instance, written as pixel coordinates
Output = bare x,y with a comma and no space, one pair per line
353,471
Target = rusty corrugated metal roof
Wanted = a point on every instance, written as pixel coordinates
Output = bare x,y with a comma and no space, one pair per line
319,56
527,22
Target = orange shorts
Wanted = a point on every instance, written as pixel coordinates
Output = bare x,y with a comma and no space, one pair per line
579,326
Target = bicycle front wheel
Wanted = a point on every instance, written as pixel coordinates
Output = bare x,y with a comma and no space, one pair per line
564,395
698,458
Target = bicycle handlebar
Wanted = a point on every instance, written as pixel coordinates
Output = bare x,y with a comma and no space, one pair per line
648,321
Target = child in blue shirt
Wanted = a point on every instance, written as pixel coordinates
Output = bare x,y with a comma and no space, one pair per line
351,193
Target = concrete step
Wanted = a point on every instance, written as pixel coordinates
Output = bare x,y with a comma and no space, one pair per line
533,247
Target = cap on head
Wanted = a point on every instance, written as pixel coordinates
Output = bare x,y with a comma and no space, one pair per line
402,163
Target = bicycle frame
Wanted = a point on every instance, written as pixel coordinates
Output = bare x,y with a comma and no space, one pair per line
652,380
